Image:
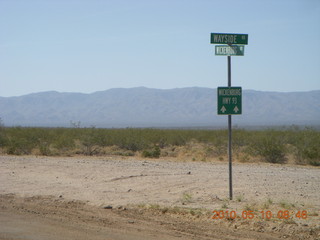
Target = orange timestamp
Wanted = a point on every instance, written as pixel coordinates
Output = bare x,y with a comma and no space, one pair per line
281,214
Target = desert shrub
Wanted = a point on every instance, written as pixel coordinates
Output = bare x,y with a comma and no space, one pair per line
18,147
2,134
63,141
20,141
209,151
221,147
154,153
44,149
132,143
129,139
241,138
307,145
270,146
177,138
91,139
44,145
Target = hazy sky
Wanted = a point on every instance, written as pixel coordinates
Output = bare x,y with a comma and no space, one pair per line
94,45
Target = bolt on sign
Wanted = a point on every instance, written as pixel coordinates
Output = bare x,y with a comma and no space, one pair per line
229,100
229,38
226,50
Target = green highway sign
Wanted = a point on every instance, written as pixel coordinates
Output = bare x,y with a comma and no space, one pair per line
229,100
226,50
229,38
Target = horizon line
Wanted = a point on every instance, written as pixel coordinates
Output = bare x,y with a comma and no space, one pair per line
143,87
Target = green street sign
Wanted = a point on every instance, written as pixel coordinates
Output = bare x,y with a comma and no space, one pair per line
226,50
229,38
229,100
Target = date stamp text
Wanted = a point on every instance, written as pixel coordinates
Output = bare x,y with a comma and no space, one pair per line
281,214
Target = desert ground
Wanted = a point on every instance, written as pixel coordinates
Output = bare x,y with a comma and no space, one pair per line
117,198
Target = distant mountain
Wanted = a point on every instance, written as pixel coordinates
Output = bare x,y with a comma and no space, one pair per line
145,107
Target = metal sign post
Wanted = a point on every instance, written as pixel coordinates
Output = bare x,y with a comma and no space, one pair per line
229,100
230,134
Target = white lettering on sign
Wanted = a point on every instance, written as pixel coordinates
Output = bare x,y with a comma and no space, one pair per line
226,50
226,100
229,50
225,38
234,100
230,92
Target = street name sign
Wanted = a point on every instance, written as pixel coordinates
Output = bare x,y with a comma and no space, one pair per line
229,100
226,50
229,38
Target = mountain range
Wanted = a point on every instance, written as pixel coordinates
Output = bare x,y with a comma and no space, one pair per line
145,107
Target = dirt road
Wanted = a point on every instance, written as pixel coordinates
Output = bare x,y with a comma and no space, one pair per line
107,198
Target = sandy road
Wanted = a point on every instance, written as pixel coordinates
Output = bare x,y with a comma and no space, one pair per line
51,191
31,226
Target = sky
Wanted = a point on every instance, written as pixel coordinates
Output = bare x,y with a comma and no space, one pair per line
94,45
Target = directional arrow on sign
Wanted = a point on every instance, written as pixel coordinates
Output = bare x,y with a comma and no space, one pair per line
223,109
236,109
